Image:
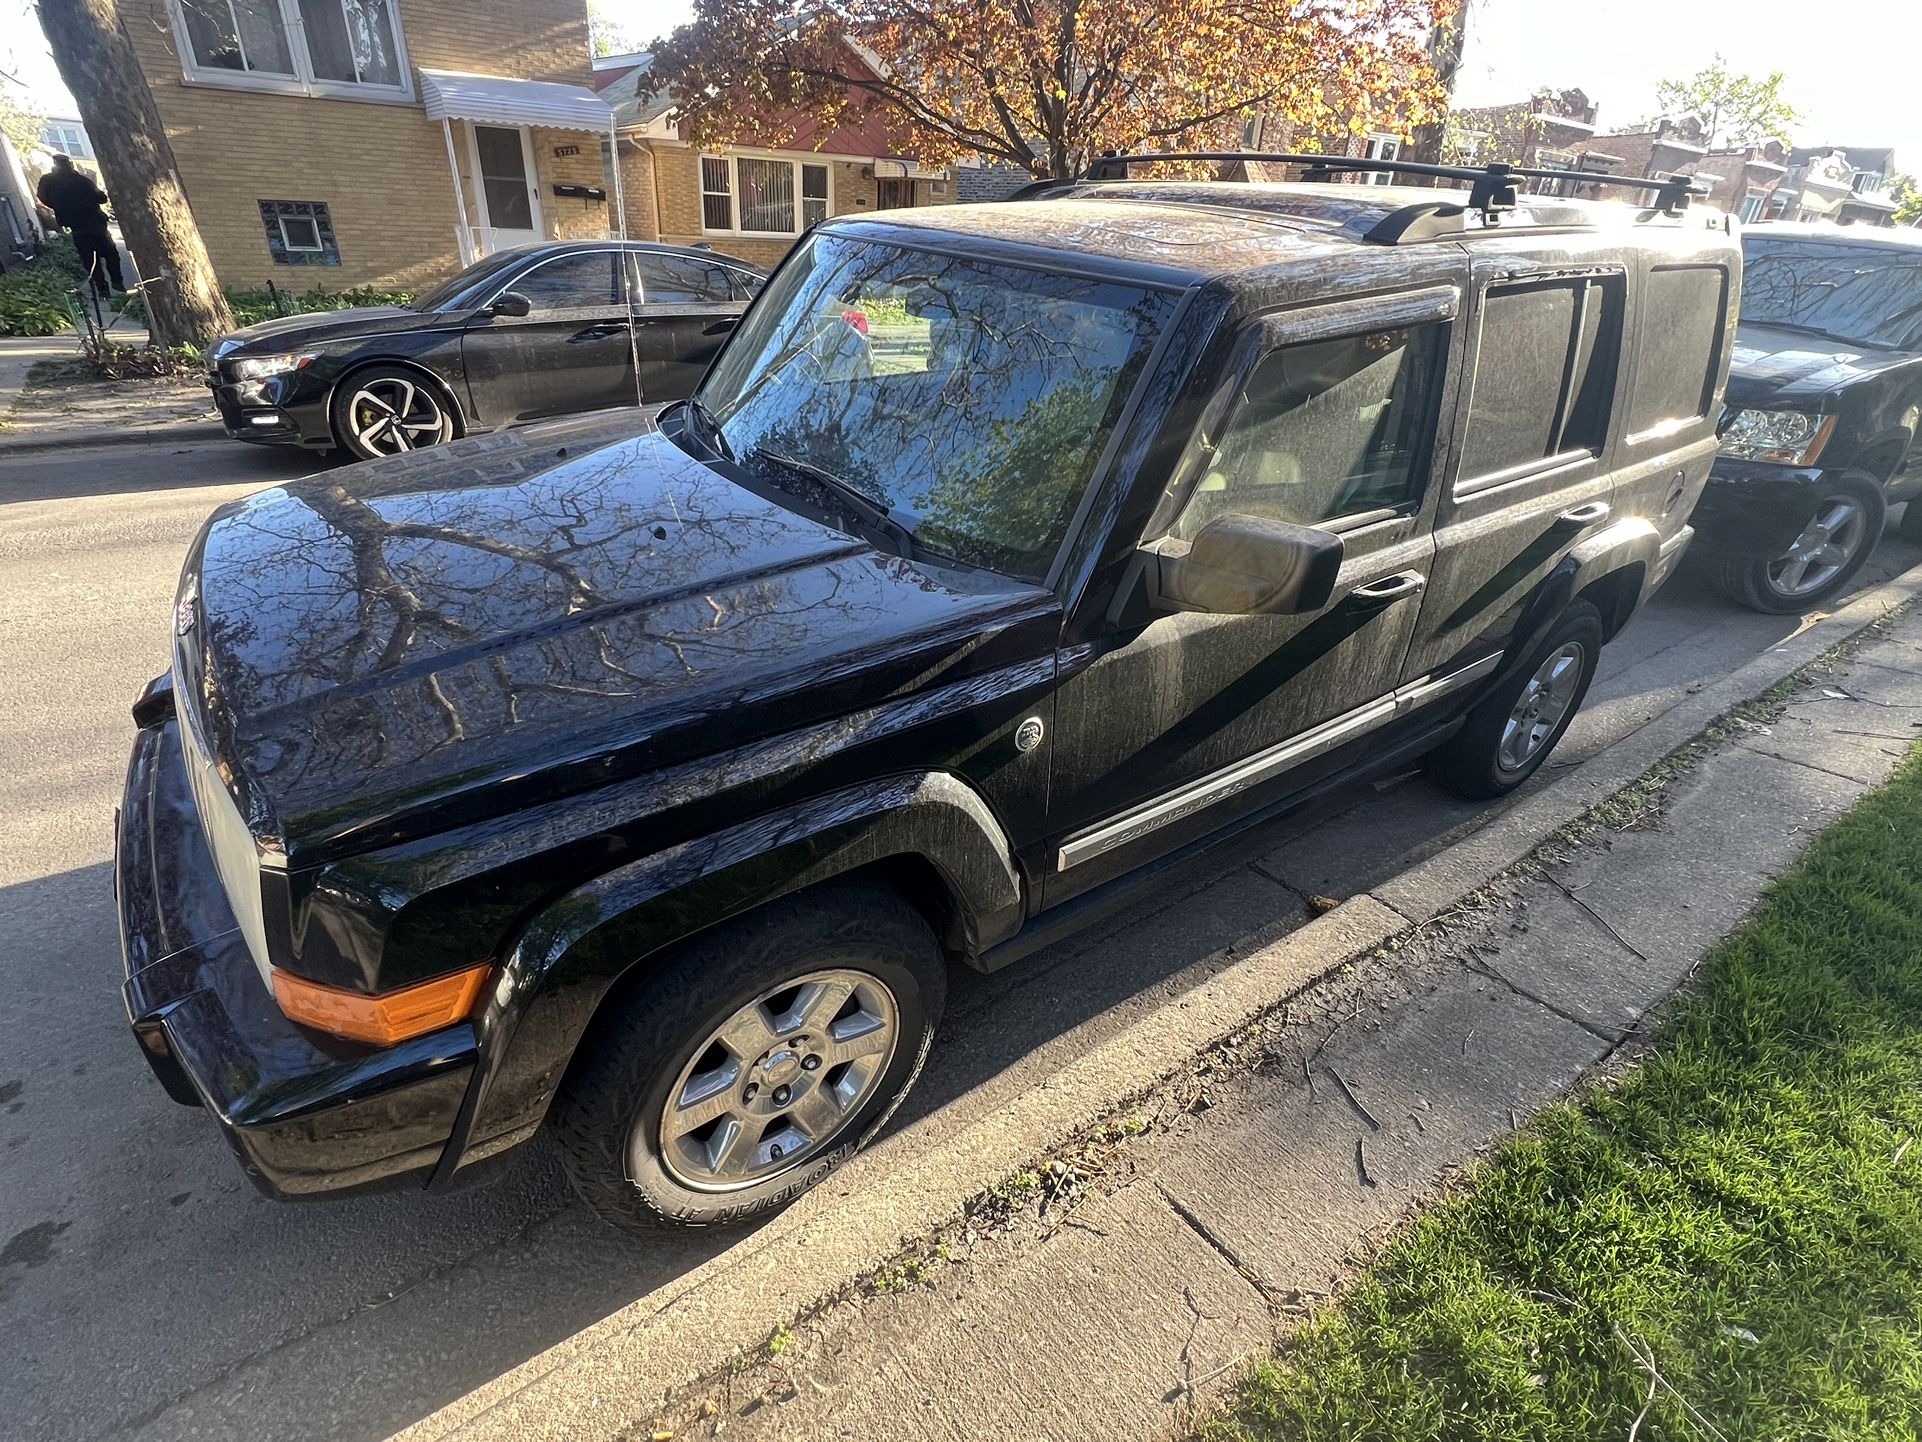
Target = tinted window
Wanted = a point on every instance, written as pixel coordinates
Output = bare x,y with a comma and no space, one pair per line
1545,373
973,400
1681,346
1328,429
586,278
681,280
1858,294
472,286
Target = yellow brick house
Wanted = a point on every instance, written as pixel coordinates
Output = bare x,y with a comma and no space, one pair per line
383,143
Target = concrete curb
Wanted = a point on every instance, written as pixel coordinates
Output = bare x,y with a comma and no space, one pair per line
623,1365
90,439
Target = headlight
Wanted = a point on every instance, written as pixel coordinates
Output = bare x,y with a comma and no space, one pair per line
1789,438
258,368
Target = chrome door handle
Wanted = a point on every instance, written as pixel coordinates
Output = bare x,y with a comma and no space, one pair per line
1582,517
1385,592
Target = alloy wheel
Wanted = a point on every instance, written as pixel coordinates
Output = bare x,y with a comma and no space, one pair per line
1825,547
1539,710
390,414
778,1081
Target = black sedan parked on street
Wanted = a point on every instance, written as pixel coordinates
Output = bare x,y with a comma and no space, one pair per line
1824,395
521,335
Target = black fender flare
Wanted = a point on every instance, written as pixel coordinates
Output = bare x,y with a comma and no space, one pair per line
601,934
1630,542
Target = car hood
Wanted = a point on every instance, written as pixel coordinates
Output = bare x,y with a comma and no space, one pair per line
320,327
1775,366
423,641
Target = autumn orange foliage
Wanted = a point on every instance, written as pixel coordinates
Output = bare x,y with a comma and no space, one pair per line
1049,84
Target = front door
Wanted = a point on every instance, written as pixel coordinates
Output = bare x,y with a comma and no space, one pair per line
685,307
510,201
571,352
1181,725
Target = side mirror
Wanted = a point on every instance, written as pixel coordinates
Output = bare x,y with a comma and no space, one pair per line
510,303
1239,565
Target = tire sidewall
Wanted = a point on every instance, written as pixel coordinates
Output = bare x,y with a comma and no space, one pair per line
343,432
1473,765
669,1016
1859,487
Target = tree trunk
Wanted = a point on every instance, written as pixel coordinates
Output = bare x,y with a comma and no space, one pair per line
1445,50
98,64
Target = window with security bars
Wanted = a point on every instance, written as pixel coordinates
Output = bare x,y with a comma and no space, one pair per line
717,193
762,195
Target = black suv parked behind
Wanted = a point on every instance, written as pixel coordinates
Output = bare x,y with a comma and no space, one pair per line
644,788
1824,394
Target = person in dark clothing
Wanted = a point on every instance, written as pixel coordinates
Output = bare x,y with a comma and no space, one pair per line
80,206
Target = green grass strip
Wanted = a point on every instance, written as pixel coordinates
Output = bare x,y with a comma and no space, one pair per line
1744,1211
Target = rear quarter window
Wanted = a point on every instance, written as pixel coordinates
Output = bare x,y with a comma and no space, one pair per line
1683,312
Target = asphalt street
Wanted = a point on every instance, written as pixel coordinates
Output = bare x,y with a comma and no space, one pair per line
146,1290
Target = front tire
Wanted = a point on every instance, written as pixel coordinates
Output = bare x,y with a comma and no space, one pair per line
384,410
725,1084
1511,731
1835,544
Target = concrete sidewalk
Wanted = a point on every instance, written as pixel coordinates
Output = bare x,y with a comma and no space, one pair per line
86,413
1199,1243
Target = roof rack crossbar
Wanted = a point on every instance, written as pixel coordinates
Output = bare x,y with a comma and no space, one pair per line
1492,187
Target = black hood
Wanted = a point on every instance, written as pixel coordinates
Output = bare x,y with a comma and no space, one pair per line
295,332
1777,366
509,618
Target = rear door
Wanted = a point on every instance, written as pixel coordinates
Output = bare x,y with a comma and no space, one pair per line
686,305
1536,426
571,352
1177,726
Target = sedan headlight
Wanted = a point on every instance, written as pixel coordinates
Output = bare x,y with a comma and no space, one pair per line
258,368
1789,438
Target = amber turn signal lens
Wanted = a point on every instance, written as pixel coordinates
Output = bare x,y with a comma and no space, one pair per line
388,1018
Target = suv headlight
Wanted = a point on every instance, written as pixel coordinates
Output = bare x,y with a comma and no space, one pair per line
258,368
1789,438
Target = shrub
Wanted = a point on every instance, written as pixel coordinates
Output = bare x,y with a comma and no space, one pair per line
250,306
35,299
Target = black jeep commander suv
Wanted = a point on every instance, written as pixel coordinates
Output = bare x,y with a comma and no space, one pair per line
640,780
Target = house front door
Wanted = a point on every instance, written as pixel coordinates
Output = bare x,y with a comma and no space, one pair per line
510,200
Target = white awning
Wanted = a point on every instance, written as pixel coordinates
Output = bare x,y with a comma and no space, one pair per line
498,100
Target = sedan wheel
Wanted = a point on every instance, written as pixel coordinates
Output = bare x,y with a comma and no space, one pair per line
1824,548
388,410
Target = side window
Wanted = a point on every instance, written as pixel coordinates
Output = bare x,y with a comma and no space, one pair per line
681,280
1681,348
1327,429
1544,374
571,281
745,285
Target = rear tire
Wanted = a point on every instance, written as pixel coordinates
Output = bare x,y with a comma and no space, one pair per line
767,1096
1511,731
1837,543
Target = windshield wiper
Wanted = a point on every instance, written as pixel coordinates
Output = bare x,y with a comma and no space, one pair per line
850,497
715,439
1814,330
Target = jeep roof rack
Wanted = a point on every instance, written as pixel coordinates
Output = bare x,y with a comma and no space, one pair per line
1492,188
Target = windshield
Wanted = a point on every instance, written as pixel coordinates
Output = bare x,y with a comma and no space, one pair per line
970,400
1862,295
473,285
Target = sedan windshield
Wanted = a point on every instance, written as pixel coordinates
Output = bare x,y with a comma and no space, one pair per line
473,285
961,402
1861,295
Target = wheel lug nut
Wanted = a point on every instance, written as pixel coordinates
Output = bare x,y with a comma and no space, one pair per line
774,1152
753,1090
810,1063
781,1094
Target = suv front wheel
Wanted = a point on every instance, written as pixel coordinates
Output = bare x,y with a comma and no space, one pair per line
1841,533
1511,731
736,1077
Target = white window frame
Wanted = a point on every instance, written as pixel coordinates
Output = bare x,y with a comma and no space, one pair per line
1868,182
1381,146
319,247
732,159
303,81
1751,209
69,139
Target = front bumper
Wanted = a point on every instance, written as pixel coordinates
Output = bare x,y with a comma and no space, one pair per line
305,1113
276,411
1755,508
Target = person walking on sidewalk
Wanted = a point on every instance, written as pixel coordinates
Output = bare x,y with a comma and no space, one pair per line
80,206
